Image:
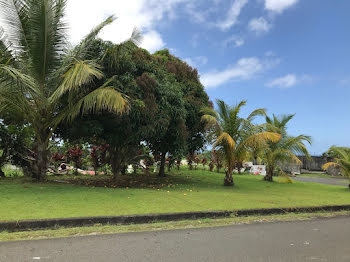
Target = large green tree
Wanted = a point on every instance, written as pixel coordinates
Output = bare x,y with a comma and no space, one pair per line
194,96
170,135
284,150
15,143
38,70
156,114
234,135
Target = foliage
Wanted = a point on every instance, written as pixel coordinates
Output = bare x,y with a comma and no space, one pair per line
98,156
38,70
285,149
58,158
15,143
341,160
194,96
235,136
74,154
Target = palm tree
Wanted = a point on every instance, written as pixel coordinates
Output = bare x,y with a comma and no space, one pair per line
235,135
341,160
285,149
38,70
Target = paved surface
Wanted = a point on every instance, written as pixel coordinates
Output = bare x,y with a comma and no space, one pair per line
323,180
317,240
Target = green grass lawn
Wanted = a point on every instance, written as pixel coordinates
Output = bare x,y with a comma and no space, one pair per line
183,191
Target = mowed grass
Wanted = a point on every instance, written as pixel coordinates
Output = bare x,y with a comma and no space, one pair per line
195,190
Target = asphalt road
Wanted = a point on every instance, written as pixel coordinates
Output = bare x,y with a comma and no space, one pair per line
323,180
316,240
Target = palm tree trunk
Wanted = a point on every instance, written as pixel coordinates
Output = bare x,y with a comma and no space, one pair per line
228,180
162,165
115,166
41,161
2,162
269,173
2,174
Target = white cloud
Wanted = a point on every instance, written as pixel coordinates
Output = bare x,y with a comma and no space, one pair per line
83,15
234,41
259,25
232,15
279,6
152,41
245,68
196,61
284,82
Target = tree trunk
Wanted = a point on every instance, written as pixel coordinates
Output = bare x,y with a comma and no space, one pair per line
123,170
115,169
41,161
116,161
269,174
239,166
190,164
162,166
2,174
228,181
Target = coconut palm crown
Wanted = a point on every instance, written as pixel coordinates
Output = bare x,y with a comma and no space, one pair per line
38,69
235,135
341,160
284,150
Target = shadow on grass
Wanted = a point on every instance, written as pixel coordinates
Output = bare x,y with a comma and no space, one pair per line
140,180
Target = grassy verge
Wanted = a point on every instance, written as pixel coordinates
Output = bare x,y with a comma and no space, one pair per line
110,229
181,191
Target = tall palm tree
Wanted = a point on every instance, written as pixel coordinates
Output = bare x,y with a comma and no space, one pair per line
37,70
286,148
341,160
235,135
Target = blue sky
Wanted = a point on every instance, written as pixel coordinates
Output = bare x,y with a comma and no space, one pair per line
288,56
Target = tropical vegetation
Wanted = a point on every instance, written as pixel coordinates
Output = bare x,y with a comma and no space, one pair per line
286,149
43,81
236,136
341,160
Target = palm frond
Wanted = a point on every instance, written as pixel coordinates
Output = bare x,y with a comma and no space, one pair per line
296,144
255,113
285,119
340,152
209,111
136,37
80,73
261,139
225,140
80,50
14,14
25,85
345,165
328,165
223,110
101,99
209,120
45,33
5,45
237,108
